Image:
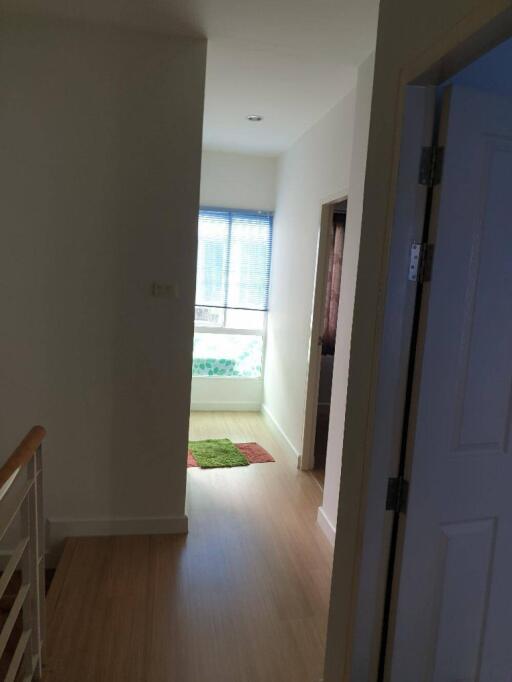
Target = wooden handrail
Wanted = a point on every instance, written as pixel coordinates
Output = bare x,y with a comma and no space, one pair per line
23,453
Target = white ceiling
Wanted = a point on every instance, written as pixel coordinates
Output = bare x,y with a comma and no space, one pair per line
288,60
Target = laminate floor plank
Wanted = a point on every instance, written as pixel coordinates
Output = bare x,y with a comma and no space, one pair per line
242,598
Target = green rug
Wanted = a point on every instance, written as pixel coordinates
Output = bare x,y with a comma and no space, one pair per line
210,454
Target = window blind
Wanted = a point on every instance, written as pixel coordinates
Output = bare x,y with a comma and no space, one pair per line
233,260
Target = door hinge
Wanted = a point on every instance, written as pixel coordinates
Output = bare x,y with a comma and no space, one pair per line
396,498
431,166
420,262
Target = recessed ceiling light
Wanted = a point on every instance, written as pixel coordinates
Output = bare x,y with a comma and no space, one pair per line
254,118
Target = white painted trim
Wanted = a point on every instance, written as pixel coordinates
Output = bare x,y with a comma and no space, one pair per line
7,552
227,331
328,529
7,485
317,319
216,406
370,433
364,527
277,429
58,529
5,555
136,525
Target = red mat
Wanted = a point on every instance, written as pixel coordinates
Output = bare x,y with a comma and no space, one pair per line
254,453
191,460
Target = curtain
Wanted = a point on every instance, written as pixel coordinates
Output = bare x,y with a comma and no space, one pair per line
332,298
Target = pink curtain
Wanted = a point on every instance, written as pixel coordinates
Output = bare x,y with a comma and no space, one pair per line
332,298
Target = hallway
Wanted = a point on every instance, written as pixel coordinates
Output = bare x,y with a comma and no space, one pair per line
242,598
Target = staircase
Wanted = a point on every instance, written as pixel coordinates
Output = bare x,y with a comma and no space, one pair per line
22,578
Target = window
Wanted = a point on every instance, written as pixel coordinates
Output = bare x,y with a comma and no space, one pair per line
233,271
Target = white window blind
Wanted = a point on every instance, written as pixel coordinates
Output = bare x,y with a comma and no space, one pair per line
233,263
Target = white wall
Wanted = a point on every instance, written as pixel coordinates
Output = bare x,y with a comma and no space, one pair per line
328,512
232,394
312,172
231,180
244,181
100,138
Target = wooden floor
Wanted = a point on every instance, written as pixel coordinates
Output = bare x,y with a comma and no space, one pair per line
242,598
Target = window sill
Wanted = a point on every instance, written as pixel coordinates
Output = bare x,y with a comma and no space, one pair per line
228,331
204,376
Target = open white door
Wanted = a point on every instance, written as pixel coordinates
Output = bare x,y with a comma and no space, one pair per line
453,611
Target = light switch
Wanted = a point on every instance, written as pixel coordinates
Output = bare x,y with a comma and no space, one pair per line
164,290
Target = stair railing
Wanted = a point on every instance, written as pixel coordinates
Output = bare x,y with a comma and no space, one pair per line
21,513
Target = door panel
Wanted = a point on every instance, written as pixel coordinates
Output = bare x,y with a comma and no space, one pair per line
485,367
466,549
453,611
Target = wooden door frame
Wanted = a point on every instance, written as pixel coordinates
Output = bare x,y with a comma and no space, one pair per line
307,456
371,456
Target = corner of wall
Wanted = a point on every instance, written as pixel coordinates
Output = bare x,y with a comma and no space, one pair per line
59,529
278,431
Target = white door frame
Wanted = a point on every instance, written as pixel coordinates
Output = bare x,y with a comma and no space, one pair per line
307,458
371,445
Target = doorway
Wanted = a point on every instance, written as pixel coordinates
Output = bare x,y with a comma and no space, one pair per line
323,337
452,532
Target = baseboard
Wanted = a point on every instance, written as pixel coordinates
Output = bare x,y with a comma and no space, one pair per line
328,529
285,441
60,529
216,406
57,530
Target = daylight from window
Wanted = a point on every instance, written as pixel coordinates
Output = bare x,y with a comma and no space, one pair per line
233,270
